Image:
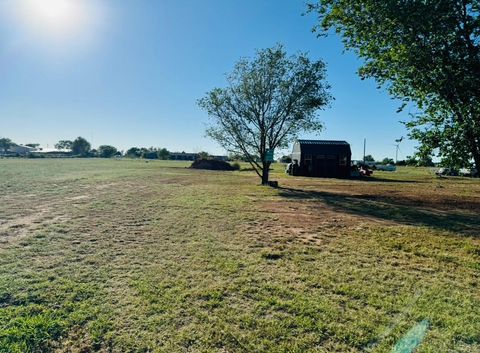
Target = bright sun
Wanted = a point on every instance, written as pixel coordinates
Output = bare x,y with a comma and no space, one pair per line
56,19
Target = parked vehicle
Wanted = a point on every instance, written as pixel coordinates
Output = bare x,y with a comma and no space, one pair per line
386,167
446,172
468,172
359,169
365,170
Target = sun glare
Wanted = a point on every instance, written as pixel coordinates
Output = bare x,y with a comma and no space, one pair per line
56,20
53,14
54,17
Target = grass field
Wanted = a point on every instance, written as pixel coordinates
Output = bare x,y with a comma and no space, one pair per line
129,256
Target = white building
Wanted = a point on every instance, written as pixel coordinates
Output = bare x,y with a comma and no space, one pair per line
21,150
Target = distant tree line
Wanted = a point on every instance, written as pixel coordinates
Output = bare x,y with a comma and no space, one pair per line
80,147
417,160
148,153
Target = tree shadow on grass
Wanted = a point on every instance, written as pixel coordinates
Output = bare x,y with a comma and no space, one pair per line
374,179
370,179
396,209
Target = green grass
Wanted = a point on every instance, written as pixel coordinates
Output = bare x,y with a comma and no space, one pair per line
129,256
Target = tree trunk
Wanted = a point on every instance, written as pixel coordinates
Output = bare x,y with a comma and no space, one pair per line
474,147
476,158
266,167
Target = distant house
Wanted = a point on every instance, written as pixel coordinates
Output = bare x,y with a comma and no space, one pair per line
20,150
220,158
183,156
322,158
52,152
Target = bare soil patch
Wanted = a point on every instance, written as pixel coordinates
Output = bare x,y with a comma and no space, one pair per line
307,208
24,225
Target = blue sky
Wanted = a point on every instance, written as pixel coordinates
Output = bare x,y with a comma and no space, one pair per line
131,71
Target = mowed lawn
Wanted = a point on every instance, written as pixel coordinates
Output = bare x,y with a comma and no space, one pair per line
129,256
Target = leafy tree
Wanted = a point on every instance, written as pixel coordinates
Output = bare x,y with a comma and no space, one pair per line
425,161
5,144
268,101
81,147
134,152
411,161
203,155
64,145
106,151
163,154
143,151
425,52
92,153
388,161
150,153
369,158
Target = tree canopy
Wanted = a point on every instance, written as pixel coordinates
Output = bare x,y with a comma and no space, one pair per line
106,151
134,152
81,147
64,145
6,143
267,102
387,160
163,153
426,52
150,153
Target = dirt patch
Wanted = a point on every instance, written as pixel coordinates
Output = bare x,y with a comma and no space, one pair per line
106,186
24,225
309,222
316,213
79,198
433,195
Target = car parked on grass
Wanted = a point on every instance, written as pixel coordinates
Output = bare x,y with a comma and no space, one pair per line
447,172
464,172
386,167
468,172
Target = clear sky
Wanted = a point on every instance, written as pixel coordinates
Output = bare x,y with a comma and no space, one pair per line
129,72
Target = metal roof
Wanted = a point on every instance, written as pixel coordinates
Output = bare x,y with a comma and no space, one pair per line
322,142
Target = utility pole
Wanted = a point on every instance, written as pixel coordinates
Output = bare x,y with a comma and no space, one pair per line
364,148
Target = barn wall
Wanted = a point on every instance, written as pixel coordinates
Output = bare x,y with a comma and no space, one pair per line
323,160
